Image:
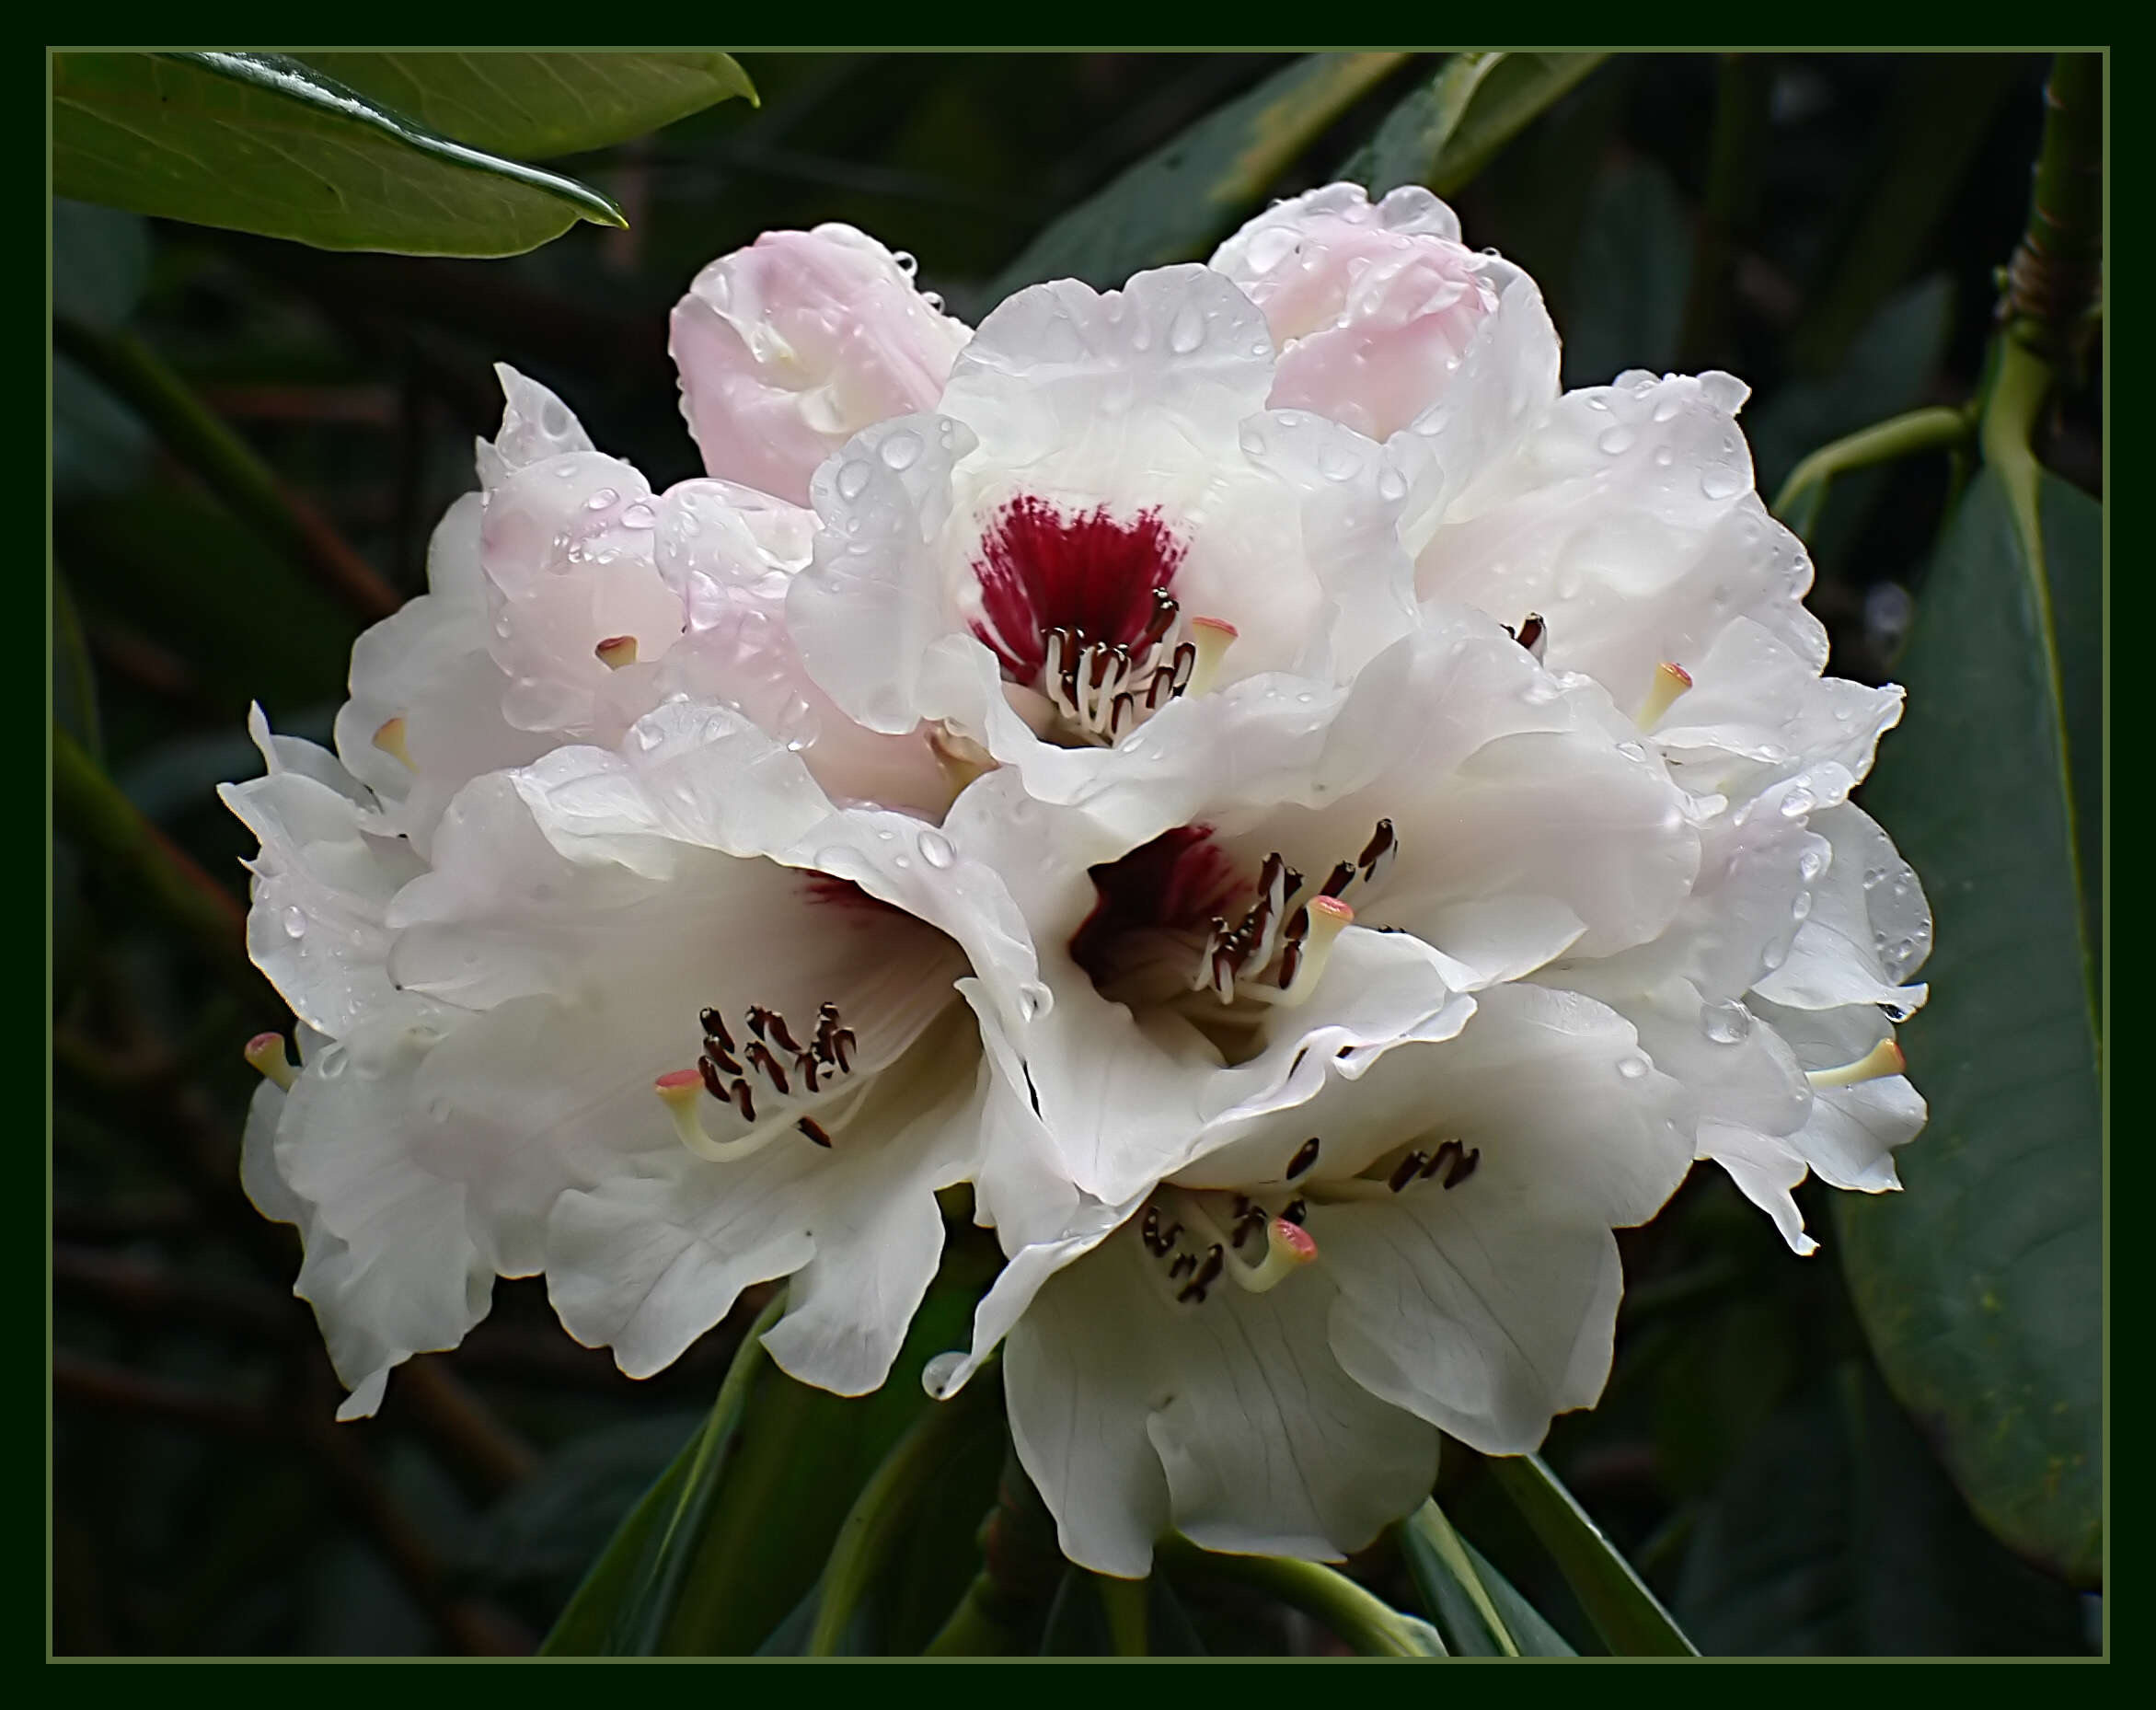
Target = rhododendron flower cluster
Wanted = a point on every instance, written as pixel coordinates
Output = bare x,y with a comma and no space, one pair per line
1316,825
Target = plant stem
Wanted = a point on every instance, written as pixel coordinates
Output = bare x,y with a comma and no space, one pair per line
1125,1601
1899,436
1429,1522
225,463
89,806
973,1630
1360,1618
2057,270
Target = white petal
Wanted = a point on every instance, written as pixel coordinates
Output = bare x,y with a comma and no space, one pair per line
1868,929
1228,1422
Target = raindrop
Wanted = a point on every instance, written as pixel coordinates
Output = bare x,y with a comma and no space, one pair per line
936,849
1664,456
639,515
601,500
941,1372
1798,802
907,263
1801,908
332,1062
295,922
900,450
1391,485
1725,1023
1632,1068
798,725
1811,865
1336,462
1721,483
1187,331
1616,440
853,480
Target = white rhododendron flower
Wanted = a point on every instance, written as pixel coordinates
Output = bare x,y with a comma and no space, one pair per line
1317,826
582,838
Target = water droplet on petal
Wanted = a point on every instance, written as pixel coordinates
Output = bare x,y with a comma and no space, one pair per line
1187,331
601,500
900,450
938,1374
1616,440
853,480
936,849
295,922
639,516
1798,802
1811,865
1632,1068
1721,483
1725,1023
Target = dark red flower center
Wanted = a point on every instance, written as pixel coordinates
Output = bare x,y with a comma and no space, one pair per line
1090,573
1178,882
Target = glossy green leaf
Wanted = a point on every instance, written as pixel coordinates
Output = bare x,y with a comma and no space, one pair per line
1182,197
1837,1533
260,142
1981,1286
1446,132
1634,266
534,105
1530,1631
584,1623
1458,1603
1628,1616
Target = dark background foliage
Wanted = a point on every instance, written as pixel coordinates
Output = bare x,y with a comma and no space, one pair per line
1825,226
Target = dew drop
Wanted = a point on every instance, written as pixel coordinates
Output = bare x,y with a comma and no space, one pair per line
295,922
1798,802
1811,865
900,450
853,480
1802,908
936,849
798,725
1616,440
938,1375
332,1062
907,263
1391,485
639,515
601,500
1721,483
1725,1023
1632,1068
1187,331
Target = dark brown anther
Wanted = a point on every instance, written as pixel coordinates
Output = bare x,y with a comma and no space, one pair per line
726,1059
1443,1158
814,1130
717,1088
842,1043
1209,1273
1295,1211
1186,661
1162,683
1184,1262
715,1030
1248,1220
1124,706
1405,1170
1463,1169
1339,879
1531,634
759,1057
744,1101
1097,668
1164,612
804,1066
1291,959
783,1037
1306,1155
1379,846
759,1018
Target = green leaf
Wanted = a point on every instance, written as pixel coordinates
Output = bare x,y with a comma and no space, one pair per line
800,1457
1629,1618
1182,196
583,1624
534,105
1633,270
1447,130
1530,1631
1835,1533
260,142
1452,1590
1981,1286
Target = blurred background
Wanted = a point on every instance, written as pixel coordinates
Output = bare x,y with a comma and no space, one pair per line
1825,226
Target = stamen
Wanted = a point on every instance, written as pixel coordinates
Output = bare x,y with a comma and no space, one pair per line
1670,681
1210,640
1884,1059
265,1055
390,740
1533,634
1376,860
616,651
1304,1158
1327,918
